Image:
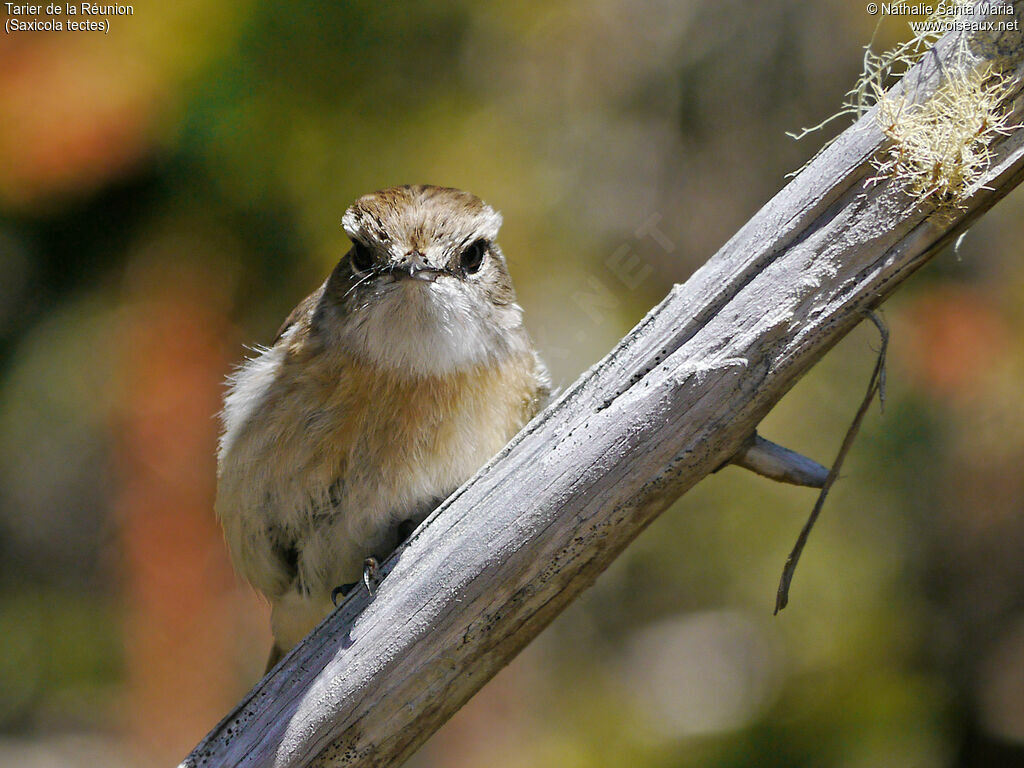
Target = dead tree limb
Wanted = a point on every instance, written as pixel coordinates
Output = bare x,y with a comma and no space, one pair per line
677,398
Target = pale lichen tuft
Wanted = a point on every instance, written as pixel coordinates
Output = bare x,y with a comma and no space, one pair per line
940,147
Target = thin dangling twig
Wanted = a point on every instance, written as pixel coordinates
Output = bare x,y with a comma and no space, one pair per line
876,386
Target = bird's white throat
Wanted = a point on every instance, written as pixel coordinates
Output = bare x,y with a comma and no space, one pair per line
427,328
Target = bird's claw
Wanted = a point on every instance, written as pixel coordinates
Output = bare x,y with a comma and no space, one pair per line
371,578
371,574
341,592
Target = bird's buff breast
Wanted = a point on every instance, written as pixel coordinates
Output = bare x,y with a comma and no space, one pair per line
327,452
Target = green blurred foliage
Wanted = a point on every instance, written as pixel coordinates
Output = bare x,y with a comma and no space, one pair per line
226,140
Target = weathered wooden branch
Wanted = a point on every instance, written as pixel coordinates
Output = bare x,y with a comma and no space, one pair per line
676,399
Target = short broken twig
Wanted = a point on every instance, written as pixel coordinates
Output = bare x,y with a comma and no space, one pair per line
779,463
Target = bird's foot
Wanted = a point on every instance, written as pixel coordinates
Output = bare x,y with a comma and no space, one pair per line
371,574
371,579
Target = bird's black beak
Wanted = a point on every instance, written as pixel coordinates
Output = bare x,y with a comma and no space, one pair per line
414,267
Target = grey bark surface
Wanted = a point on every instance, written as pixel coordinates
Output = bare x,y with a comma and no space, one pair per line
677,398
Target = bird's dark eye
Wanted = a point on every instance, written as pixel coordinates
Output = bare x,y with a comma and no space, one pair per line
362,258
473,257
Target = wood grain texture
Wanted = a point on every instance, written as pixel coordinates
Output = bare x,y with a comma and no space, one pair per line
671,403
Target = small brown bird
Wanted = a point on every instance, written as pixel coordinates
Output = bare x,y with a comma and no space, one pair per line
384,391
